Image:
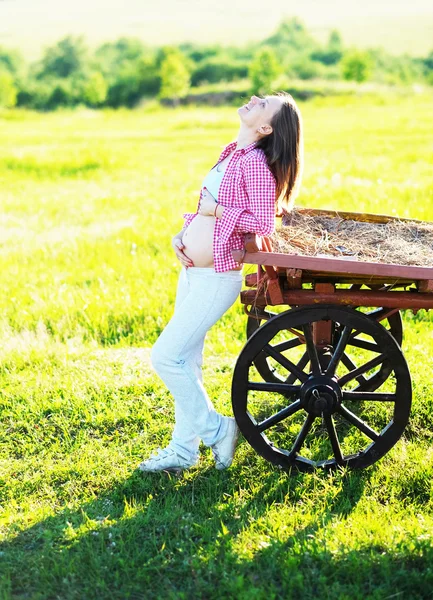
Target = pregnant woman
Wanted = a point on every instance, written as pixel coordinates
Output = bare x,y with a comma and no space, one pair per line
255,175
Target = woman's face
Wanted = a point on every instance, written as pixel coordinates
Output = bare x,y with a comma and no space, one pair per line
259,111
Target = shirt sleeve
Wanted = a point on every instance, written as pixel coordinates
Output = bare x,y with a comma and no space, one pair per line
259,218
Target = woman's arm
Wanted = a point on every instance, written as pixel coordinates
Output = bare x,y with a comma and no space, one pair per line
259,218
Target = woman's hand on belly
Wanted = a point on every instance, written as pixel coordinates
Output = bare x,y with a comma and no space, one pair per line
198,241
178,247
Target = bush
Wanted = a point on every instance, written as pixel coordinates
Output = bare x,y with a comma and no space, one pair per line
218,69
332,53
125,90
34,94
198,53
395,69
149,76
264,70
356,66
62,94
175,77
93,89
8,91
305,68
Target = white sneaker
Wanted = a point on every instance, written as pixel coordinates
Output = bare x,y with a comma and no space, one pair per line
166,459
223,450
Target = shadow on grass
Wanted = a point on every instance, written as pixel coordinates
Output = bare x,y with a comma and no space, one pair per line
166,536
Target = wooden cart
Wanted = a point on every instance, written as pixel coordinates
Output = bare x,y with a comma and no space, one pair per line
325,383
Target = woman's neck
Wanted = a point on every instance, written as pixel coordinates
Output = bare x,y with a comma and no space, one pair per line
245,138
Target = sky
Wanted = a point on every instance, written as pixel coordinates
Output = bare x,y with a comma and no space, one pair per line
32,24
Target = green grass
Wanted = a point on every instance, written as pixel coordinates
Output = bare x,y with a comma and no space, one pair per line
89,202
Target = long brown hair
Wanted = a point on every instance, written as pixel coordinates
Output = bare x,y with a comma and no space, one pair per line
284,150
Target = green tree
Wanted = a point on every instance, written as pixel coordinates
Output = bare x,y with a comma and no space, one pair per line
125,89
333,51
11,60
198,53
8,91
34,94
356,66
112,57
335,46
149,76
429,60
62,93
130,69
292,33
68,57
264,70
175,77
93,89
219,68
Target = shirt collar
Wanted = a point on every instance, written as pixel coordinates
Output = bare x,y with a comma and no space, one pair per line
232,146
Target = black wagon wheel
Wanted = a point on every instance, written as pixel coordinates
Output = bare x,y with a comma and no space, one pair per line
317,414
264,367
392,322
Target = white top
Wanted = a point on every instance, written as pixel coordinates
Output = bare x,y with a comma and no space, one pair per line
213,181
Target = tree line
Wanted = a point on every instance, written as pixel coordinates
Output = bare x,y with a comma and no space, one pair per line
126,71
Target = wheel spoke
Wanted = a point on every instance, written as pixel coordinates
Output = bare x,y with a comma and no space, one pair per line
279,416
349,364
363,344
301,365
268,386
312,350
285,362
357,422
339,351
374,362
369,396
301,435
330,426
382,313
298,333
288,344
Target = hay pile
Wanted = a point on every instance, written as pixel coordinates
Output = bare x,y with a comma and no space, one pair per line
395,242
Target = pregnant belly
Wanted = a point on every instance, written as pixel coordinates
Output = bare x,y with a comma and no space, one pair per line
198,241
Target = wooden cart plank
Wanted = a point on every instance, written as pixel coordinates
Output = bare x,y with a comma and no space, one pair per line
400,300
335,265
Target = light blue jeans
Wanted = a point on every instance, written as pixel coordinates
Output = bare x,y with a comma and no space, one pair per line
202,297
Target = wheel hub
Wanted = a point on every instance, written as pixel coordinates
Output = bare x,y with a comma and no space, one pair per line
320,395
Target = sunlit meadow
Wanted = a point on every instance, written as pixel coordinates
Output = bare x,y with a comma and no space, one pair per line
89,202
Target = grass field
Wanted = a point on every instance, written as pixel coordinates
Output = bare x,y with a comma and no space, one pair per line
89,203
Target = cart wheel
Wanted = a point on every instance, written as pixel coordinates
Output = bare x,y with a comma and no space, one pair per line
317,414
264,367
392,322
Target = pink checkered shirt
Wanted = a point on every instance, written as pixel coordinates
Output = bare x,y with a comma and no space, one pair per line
247,192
